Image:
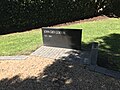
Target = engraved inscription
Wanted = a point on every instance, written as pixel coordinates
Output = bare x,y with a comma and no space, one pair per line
54,32
45,35
64,38
48,36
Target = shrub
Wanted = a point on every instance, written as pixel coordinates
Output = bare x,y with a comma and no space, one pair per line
19,15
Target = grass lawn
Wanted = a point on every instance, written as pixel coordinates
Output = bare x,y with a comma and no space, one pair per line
20,43
106,32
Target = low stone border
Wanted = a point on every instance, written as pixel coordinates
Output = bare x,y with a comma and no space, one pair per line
94,67
105,71
13,57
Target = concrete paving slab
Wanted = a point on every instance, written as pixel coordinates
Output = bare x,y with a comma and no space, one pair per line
55,52
13,57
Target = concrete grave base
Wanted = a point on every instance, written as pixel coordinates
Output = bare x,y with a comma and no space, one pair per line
94,67
62,53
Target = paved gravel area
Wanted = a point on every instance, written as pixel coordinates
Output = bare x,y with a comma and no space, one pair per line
37,73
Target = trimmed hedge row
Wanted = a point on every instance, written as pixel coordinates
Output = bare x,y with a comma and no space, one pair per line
18,15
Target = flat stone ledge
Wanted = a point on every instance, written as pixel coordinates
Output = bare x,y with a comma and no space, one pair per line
112,73
92,67
55,52
13,57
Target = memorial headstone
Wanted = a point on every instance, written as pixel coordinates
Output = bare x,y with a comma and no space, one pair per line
61,37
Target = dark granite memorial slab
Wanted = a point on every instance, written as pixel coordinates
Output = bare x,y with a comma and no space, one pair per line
63,38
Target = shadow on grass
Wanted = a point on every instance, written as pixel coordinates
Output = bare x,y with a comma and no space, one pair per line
109,52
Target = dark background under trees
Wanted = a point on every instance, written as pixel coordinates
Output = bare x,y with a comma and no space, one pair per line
21,15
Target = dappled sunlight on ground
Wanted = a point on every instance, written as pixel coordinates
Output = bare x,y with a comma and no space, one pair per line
37,73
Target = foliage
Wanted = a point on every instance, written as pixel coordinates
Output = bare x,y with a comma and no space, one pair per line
19,15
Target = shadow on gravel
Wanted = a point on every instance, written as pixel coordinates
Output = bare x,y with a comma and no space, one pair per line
63,74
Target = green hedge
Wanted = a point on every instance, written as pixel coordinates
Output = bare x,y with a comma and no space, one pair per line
116,7
19,15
